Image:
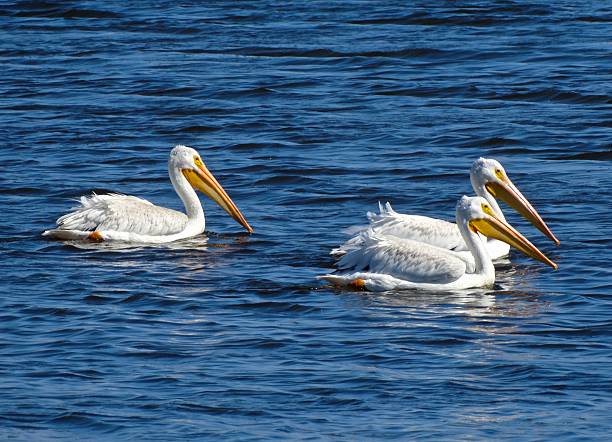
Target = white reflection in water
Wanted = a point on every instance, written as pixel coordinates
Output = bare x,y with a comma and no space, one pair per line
483,310
187,258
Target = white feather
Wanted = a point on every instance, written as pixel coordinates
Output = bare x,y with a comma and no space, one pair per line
389,223
403,259
122,213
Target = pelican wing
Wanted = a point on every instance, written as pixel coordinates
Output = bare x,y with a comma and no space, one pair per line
403,259
388,222
432,231
122,213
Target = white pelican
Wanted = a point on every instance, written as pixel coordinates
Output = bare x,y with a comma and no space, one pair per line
116,217
385,264
490,181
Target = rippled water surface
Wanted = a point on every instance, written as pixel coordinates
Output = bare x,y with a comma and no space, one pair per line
308,113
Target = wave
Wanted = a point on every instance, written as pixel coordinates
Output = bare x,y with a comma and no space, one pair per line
474,16
323,52
555,95
588,156
42,9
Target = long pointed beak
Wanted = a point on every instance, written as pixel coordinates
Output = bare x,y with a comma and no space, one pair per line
493,227
202,179
508,193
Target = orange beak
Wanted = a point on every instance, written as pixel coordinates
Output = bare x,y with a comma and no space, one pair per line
201,178
508,193
494,227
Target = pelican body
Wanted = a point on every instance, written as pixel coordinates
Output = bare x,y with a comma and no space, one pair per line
116,217
382,263
490,181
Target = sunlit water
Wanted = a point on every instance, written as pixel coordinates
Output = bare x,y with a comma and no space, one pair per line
308,113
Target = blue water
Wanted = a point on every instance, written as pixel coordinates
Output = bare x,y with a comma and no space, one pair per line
308,113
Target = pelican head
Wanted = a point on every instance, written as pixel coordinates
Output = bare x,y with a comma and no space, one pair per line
489,176
477,213
189,162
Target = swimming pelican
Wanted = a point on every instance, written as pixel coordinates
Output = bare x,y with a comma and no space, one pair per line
490,181
116,217
385,264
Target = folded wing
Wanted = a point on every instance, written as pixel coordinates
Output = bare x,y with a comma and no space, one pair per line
388,222
123,213
403,259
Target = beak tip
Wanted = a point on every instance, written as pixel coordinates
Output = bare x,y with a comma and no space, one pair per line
246,225
553,238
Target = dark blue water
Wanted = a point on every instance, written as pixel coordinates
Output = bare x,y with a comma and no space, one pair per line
308,113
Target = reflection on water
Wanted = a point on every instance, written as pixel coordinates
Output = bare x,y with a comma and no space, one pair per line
196,243
476,303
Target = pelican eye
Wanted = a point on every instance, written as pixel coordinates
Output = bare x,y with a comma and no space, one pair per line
198,161
487,209
499,174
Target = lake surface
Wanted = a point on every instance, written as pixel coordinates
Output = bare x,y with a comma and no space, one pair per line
308,113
